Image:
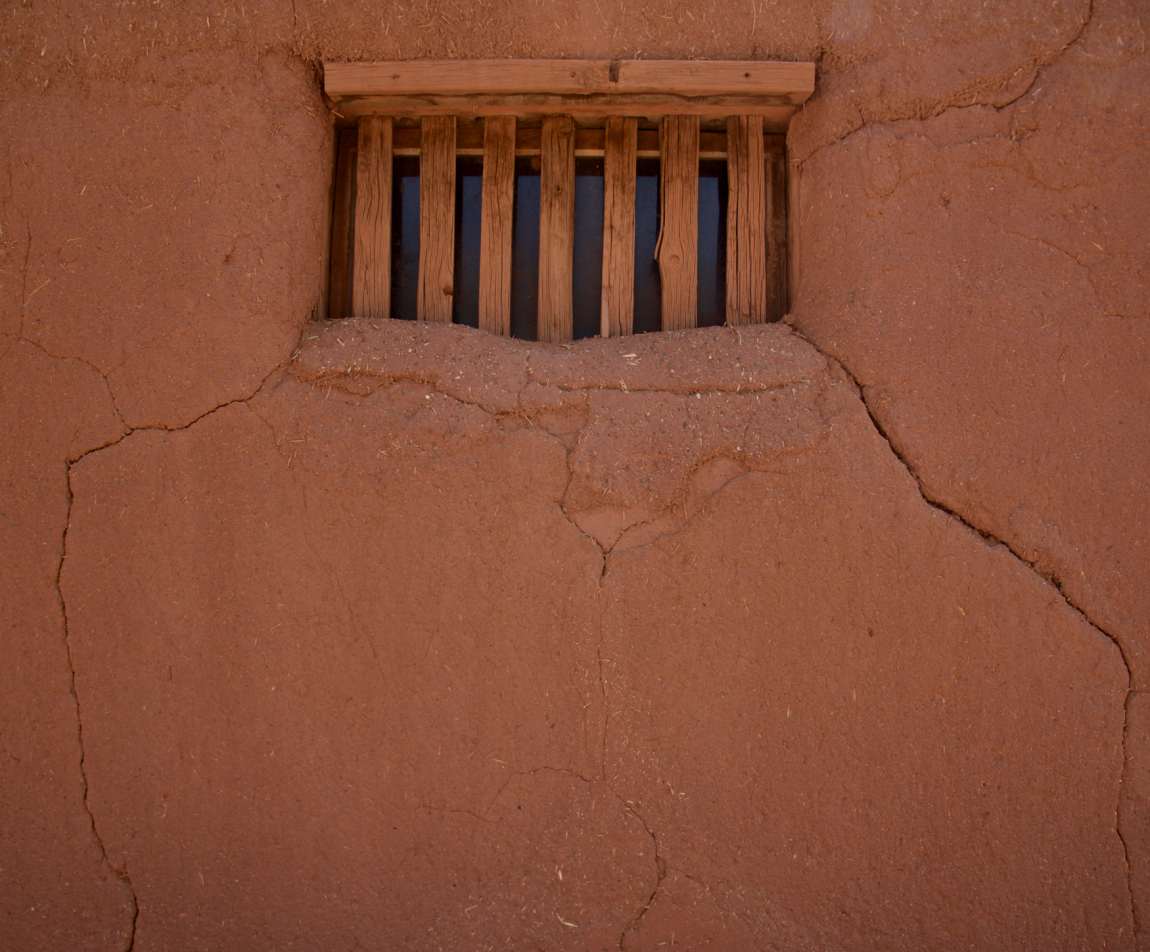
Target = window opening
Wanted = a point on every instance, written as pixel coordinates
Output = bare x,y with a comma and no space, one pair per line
525,250
648,291
587,265
468,197
404,237
712,252
563,219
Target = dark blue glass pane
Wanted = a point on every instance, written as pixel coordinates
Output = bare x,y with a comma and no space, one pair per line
712,243
587,273
525,250
648,289
405,238
468,198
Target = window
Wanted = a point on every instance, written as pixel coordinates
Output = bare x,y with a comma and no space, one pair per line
553,200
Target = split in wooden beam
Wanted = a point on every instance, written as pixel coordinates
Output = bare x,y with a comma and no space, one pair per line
746,222
678,246
436,220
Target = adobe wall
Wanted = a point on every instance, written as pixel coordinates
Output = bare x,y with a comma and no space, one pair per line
829,634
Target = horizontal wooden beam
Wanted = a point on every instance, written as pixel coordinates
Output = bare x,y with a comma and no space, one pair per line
588,142
791,82
464,77
533,89
642,106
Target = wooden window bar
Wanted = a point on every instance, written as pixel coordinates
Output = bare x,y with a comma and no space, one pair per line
561,110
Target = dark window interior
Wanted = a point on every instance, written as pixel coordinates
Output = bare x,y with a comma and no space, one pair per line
468,196
648,288
587,275
405,237
712,243
525,249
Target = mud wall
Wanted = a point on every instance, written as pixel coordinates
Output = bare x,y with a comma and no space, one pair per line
830,634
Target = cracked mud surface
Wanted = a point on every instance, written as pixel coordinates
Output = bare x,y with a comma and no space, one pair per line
401,636
404,621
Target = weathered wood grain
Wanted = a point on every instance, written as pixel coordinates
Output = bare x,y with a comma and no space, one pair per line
621,147
793,82
371,270
588,142
466,87
465,77
340,256
778,265
436,219
746,222
678,248
496,219
775,110
556,229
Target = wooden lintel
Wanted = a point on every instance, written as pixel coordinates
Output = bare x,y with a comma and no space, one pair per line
464,77
793,82
530,80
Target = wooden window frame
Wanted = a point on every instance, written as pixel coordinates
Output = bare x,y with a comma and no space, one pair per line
558,110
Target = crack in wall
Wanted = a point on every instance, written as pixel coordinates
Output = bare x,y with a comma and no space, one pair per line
630,808
1038,239
660,865
384,380
1051,579
955,100
121,873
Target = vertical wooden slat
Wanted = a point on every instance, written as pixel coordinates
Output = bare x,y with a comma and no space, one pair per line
371,272
495,225
337,291
556,229
436,219
746,222
678,249
778,297
620,152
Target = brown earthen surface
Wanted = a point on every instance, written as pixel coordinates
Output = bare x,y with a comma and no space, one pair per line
419,639
58,889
